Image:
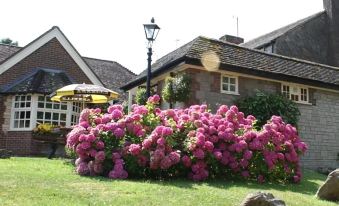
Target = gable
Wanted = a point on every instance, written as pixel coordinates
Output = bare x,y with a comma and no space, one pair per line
50,50
52,55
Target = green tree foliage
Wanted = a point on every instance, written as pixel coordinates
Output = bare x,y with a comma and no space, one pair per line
264,105
8,41
176,89
141,96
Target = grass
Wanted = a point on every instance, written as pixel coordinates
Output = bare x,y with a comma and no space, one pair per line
40,181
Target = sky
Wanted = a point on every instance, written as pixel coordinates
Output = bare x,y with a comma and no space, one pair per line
113,30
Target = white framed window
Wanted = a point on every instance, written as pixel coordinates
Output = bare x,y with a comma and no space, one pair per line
295,93
75,115
51,112
229,84
29,110
21,113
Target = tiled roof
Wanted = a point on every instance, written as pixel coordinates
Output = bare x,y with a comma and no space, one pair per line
268,38
112,74
42,81
243,60
6,51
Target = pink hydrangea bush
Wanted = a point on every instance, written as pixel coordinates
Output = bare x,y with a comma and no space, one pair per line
192,142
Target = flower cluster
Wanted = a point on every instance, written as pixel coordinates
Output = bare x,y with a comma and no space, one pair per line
193,142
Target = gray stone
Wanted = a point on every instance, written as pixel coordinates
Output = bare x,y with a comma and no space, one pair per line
262,199
330,189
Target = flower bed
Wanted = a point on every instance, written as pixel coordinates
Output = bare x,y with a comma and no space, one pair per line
192,142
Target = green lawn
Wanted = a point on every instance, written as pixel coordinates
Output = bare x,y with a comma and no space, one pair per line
40,181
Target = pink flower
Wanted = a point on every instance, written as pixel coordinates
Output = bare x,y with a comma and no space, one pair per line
117,114
82,169
175,157
134,149
209,146
100,145
119,133
248,154
261,179
199,154
85,145
186,161
100,156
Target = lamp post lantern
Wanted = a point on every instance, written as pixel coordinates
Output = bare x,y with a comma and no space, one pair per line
151,31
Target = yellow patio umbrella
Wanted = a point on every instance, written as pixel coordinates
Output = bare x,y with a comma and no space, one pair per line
85,93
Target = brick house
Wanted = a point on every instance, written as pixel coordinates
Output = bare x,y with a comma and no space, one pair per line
294,60
29,74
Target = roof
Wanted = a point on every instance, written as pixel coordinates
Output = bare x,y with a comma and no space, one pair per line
6,51
270,37
112,74
42,81
244,60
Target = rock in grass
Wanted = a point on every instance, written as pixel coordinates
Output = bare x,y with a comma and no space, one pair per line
330,189
262,199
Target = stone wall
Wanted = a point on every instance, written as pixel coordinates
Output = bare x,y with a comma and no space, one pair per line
318,124
318,127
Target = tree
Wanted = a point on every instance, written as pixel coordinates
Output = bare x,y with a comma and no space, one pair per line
8,41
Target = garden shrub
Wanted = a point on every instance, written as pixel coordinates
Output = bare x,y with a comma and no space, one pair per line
263,106
141,96
192,142
176,89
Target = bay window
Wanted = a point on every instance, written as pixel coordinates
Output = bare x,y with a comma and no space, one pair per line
30,110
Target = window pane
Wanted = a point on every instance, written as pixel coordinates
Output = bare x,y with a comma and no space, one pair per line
23,98
22,124
40,115
16,123
63,123
232,88
41,98
28,115
225,80
232,80
56,106
55,123
63,117
55,116
27,123
64,107
17,98
22,104
16,115
49,105
225,87
48,115
22,115
16,105
40,105
28,104
28,98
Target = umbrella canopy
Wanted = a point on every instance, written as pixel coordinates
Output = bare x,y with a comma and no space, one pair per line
86,93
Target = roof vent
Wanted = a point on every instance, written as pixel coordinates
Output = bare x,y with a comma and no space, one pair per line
231,39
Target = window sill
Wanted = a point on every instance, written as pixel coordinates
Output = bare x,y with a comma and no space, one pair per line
231,93
304,103
20,130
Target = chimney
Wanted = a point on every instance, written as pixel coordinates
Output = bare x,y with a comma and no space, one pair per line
332,11
231,39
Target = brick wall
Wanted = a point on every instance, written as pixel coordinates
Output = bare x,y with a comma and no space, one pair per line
51,55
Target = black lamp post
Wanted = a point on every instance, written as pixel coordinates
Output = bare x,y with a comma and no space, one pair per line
151,31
